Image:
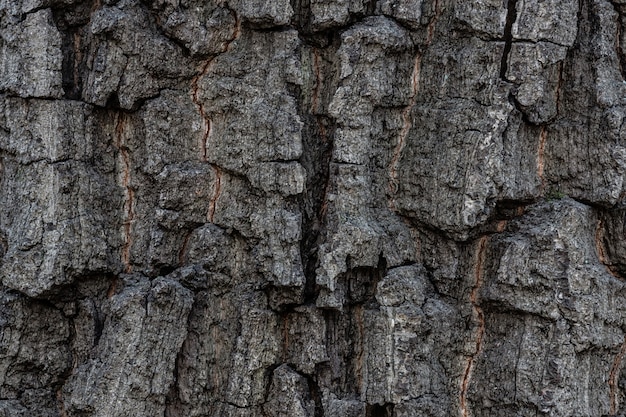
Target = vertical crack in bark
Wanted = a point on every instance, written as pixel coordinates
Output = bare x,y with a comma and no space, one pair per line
316,160
316,395
613,378
480,319
511,16
559,88
195,96
207,121
541,158
126,179
71,24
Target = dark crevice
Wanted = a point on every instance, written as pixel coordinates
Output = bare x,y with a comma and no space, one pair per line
317,139
301,13
511,16
113,102
361,281
513,101
598,205
378,410
370,8
72,62
240,407
260,28
71,22
506,210
165,270
314,212
315,394
268,382
98,325
10,94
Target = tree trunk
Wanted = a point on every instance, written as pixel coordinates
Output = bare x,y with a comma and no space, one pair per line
312,208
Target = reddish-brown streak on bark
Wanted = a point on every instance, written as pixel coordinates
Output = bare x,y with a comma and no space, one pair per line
480,318
613,377
112,287
183,249
216,193
195,89
129,203
501,226
431,25
406,127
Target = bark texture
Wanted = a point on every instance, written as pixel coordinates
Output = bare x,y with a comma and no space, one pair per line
312,208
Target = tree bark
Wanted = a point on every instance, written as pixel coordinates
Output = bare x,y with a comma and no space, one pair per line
387,208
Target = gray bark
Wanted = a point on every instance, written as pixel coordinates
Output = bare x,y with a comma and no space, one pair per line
317,208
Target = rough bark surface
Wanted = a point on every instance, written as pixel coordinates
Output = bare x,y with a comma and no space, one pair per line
312,208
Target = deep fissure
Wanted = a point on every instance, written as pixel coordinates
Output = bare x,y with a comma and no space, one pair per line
511,17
